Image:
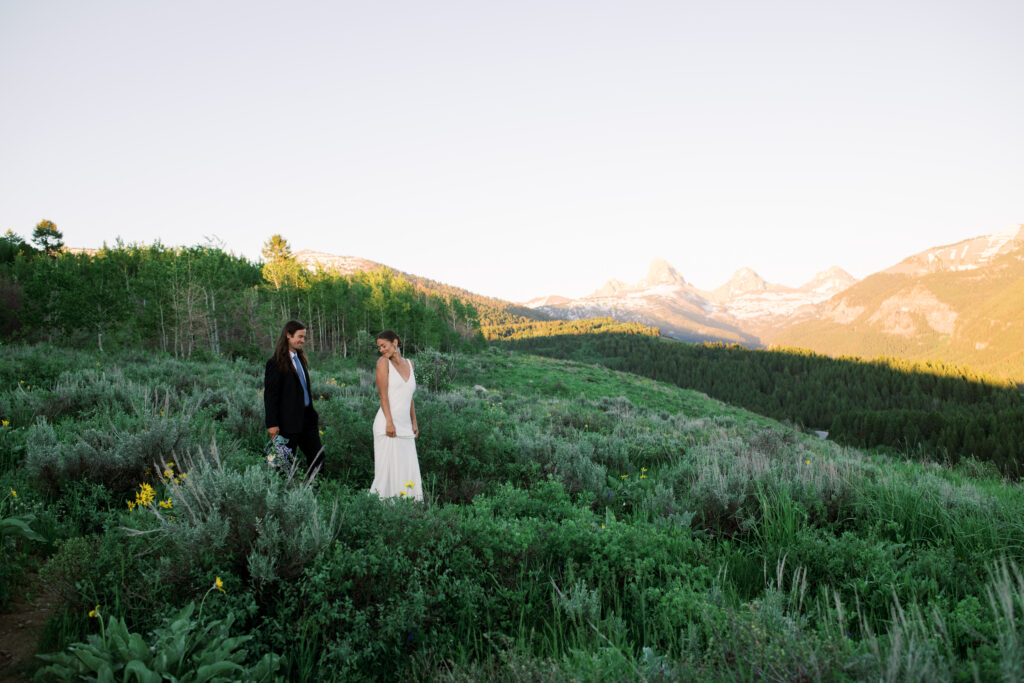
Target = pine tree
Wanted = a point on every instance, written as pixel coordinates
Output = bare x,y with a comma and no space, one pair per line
280,267
48,238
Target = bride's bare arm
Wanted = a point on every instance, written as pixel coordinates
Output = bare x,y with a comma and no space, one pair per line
382,390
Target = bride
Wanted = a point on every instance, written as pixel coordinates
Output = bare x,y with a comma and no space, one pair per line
396,471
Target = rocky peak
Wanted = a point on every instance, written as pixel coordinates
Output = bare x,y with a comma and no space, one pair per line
834,279
550,300
743,281
345,265
746,280
611,288
661,272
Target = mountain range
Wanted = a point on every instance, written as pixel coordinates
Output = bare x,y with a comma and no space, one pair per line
961,303
743,310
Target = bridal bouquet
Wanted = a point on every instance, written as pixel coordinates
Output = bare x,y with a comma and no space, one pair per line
279,456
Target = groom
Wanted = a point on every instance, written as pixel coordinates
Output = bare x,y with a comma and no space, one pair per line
287,399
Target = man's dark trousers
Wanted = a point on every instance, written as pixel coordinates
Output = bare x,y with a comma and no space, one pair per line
308,439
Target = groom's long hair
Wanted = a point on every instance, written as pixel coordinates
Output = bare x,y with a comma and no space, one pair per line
281,352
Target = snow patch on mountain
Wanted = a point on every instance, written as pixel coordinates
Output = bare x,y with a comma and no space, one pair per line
998,240
970,254
666,300
668,291
747,296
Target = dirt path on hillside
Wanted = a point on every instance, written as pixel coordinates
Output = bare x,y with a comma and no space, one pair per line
20,629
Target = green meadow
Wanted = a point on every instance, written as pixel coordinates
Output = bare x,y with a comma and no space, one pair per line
579,524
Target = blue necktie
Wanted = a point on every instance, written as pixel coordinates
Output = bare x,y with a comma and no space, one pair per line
302,378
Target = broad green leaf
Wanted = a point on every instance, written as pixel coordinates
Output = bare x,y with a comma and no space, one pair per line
17,526
139,648
90,658
209,671
105,674
141,672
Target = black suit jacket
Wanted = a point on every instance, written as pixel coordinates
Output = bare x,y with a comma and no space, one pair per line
283,401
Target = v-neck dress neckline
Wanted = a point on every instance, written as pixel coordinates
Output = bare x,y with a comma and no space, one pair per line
400,372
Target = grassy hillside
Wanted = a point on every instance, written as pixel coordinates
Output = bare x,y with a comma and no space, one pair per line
555,328
942,412
491,311
579,524
987,336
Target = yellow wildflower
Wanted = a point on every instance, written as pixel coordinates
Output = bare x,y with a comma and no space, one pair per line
6,423
624,476
166,504
410,484
602,526
643,469
807,462
14,493
321,431
402,492
643,476
219,585
145,495
94,613
131,504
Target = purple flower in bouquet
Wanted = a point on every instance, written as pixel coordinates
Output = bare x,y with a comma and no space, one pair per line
279,456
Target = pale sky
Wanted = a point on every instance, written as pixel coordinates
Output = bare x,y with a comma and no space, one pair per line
522,148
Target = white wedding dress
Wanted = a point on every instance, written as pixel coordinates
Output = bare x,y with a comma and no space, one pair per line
396,471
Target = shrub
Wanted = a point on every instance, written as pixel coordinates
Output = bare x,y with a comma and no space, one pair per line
238,415
182,649
118,458
263,526
435,371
